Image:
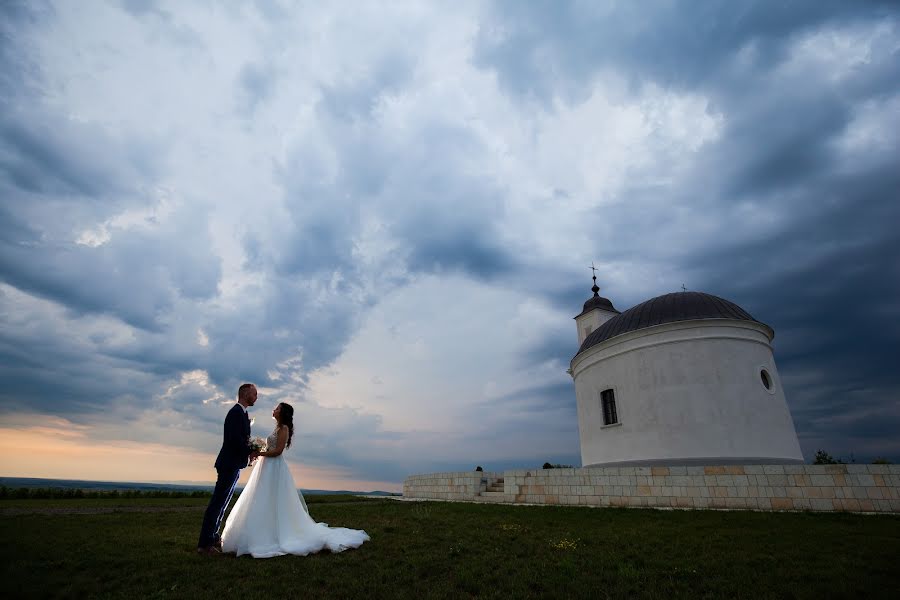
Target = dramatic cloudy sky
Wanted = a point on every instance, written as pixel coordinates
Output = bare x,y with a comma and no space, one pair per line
385,213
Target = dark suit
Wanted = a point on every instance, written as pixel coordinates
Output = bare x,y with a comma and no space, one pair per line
232,458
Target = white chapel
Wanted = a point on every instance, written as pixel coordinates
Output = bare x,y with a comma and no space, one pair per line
684,378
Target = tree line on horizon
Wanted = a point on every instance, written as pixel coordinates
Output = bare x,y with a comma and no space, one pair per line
823,458
60,493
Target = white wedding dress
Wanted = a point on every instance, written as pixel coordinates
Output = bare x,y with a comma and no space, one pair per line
270,517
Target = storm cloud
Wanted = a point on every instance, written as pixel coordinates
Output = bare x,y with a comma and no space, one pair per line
387,215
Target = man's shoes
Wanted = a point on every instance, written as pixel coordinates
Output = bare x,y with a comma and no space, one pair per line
208,551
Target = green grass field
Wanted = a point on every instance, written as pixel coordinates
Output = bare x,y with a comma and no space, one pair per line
450,550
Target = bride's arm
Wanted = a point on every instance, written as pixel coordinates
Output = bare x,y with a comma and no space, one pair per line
279,446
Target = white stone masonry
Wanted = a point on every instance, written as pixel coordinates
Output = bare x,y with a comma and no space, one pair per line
852,488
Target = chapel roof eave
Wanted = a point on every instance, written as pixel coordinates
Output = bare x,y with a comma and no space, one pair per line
597,302
669,308
665,328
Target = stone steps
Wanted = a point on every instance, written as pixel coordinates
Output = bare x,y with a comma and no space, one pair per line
493,489
491,497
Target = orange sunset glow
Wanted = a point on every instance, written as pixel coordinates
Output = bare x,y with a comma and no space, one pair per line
61,450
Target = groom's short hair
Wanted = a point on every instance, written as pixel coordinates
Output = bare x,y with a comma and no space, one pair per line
244,390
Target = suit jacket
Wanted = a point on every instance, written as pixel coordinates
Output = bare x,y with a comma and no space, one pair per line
235,450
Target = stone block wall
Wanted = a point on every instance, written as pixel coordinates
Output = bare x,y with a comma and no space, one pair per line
462,485
856,488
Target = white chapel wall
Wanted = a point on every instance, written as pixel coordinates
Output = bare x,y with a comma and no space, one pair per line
685,392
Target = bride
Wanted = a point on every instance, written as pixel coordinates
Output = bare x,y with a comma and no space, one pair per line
270,517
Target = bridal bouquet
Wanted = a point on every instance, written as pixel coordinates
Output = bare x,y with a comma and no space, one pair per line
257,444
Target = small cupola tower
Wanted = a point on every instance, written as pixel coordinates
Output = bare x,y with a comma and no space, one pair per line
597,311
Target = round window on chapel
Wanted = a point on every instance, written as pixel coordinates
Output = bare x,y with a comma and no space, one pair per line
766,379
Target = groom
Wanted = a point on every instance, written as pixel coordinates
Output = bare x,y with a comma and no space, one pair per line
233,457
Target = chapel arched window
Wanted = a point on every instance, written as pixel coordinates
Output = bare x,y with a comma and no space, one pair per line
608,401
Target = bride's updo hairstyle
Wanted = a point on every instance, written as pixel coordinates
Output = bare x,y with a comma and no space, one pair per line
286,417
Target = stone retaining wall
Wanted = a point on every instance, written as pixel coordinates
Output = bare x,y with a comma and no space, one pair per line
856,488
463,485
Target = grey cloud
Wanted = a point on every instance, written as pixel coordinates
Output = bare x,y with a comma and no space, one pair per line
355,99
847,297
448,221
84,280
440,220
558,398
141,8
54,374
864,433
324,217
320,243
163,22
286,319
59,176
561,346
45,154
467,250
783,146
542,48
119,277
273,10
255,84
17,14
44,150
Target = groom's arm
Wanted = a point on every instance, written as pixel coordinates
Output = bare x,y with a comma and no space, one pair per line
245,448
236,434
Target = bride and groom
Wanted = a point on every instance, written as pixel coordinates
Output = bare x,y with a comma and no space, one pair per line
270,517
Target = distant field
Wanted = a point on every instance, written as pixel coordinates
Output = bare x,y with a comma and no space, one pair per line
30,487
453,550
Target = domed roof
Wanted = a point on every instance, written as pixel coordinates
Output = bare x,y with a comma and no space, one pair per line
597,301
600,302
669,308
